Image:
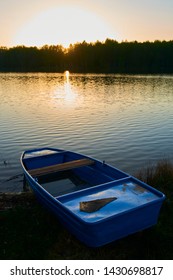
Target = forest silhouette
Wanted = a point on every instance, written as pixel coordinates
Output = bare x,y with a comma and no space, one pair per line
99,57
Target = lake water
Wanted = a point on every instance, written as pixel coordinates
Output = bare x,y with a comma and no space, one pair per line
125,120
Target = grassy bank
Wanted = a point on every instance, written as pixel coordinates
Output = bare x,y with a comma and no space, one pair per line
28,231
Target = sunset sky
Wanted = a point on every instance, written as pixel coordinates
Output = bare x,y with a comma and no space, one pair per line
54,22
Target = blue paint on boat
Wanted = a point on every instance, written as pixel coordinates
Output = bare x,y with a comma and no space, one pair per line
63,179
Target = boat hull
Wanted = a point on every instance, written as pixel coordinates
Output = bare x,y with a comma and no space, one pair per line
135,208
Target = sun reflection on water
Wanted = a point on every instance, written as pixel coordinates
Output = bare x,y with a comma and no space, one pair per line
67,74
66,91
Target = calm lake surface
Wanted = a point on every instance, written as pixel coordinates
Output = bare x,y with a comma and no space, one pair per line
125,120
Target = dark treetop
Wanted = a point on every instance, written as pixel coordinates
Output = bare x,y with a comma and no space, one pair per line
99,57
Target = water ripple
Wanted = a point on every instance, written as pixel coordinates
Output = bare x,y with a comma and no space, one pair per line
125,120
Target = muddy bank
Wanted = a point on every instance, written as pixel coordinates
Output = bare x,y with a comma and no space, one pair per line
13,200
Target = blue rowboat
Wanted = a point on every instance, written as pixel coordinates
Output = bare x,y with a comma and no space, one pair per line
95,201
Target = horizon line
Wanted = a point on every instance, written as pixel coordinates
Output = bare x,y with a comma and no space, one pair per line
84,41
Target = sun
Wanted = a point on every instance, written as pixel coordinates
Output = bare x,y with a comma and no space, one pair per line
63,26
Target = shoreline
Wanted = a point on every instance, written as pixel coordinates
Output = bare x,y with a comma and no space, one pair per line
30,231
11,200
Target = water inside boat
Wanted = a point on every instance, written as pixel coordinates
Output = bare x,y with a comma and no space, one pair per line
62,183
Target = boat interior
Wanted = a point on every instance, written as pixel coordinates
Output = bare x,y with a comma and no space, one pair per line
65,172
74,180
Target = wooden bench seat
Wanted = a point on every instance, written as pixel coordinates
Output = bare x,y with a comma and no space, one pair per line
60,167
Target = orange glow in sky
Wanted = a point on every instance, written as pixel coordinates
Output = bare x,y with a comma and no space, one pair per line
57,22
63,25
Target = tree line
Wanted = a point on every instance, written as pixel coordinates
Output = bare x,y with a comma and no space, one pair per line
99,57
